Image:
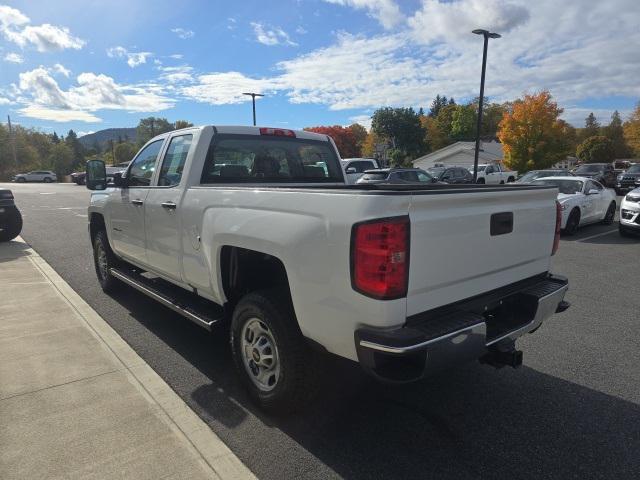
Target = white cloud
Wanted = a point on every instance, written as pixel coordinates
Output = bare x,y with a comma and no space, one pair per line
5,101
83,133
176,56
271,35
364,120
385,11
58,68
226,88
13,58
183,33
301,30
14,26
43,97
133,58
57,115
179,74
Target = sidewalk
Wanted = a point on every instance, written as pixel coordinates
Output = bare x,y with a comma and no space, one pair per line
77,402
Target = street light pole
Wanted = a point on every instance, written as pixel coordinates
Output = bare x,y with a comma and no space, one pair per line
487,35
253,100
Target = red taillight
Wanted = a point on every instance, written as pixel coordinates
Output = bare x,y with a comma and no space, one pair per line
277,132
556,237
380,258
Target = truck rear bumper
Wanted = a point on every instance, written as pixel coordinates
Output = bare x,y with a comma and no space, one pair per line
467,330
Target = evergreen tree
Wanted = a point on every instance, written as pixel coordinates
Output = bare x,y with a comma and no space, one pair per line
54,138
591,126
615,133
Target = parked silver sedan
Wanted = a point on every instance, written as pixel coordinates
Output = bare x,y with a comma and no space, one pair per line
46,176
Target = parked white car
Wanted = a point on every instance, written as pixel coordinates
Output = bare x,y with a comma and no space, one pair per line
630,213
494,174
582,201
46,176
354,168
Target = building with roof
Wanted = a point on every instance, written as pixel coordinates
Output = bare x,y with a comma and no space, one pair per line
461,154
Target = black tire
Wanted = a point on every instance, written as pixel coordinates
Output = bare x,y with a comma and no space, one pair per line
511,180
610,215
12,226
47,180
294,371
573,222
102,263
618,192
480,181
21,180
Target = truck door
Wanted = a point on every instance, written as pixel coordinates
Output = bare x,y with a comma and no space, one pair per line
127,205
162,216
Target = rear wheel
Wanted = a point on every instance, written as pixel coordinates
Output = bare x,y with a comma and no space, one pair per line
480,180
573,222
21,180
104,259
610,215
12,226
274,362
511,180
47,180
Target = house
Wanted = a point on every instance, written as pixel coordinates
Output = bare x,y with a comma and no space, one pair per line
461,154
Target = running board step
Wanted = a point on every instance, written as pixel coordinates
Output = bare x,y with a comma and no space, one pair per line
197,309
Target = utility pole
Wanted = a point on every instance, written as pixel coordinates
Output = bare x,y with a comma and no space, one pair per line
253,100
487,35
13,142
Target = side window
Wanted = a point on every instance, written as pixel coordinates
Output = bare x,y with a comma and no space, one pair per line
424,178
361,166
409,176
596,185
173,163
144,165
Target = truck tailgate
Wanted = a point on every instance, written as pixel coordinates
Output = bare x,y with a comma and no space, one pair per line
456,255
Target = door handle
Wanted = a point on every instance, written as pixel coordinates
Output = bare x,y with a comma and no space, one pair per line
137,201
169,205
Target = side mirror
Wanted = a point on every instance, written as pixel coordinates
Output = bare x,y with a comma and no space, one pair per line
96,175
351,170
593,191
118,180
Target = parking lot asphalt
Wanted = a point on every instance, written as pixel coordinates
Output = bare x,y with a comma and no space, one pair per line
571,411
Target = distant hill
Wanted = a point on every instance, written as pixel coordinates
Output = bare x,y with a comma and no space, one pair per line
102,137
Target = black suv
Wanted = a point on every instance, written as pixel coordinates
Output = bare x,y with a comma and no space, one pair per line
451,174
10,218
628,180
601,172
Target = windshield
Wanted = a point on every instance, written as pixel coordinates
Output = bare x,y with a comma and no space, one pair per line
568,187
270,159
633,169
589,168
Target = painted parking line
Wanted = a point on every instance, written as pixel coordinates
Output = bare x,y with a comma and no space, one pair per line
597,235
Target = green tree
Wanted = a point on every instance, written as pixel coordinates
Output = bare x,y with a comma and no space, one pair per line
532,134
615,133
60,159
399,159
181,124
76,148
124,152
150,127
437,104
596,149
401,127
443,122
591,128
491,117
463,122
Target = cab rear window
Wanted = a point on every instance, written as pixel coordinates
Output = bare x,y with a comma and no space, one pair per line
264,159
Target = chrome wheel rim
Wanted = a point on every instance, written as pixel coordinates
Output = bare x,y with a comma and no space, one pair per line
260,354
103,263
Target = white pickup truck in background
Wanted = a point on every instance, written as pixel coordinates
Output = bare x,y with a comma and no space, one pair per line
256,230
354,168
494,174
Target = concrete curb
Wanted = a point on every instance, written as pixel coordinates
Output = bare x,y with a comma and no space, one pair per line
214,454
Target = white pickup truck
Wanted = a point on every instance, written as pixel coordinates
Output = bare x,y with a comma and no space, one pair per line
255,229
494,174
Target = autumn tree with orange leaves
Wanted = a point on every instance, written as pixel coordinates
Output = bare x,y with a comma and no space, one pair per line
344,137
532,135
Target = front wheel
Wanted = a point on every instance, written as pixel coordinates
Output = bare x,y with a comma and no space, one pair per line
47,180
104,260
12,226
573,222
611,213
480,181
21,180
271,356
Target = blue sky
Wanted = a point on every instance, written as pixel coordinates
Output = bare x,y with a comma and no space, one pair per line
90,65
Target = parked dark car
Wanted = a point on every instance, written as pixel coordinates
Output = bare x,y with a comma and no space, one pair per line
396,175
78,178
10,218
600,172
628,180
451,174
532,175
